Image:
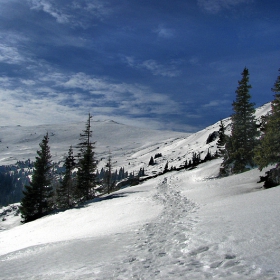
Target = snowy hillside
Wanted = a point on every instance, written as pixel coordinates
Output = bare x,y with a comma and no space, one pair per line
181,225
131,147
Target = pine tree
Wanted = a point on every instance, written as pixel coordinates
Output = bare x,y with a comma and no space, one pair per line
86,176
65,193
268,151
222,139
151,162
37,200
109,181
208,156
239,148
165,168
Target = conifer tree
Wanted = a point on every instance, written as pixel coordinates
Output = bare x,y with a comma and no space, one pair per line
109,181
65,193
86,176
208,156
165,168
222,139
240,145
268,151
151,162
37,200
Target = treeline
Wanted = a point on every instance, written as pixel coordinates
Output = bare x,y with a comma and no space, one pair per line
252,144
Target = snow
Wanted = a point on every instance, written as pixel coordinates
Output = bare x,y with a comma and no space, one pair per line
180,225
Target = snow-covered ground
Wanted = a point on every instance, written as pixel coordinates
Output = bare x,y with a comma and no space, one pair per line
181,225
187,225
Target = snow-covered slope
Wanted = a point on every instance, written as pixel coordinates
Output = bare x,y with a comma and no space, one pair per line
131,147
22,142
181,225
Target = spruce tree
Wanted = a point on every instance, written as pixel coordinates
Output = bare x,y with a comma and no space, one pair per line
86,176
222,139
151,162
37,200
239,148
268,151
65,193
109,182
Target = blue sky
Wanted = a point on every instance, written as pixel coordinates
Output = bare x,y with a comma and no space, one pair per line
152,63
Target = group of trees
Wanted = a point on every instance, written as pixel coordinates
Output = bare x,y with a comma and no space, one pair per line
250,144
40,197
79,182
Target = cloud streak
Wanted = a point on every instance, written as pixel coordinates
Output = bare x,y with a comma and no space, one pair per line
216,6
10,55
154,67
48,7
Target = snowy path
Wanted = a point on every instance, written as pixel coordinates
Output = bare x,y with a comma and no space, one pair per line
158,251
173,247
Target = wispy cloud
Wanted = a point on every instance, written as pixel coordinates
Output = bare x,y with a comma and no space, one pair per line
164,32
60,97
215,6
170,70
216,103
159,69
10,55
98,8
134,99
73,11
49,8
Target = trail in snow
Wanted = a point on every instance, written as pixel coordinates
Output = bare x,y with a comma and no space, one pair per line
158,250
172,247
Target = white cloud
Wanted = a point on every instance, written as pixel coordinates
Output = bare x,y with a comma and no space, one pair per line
99,8
75,12
215,103
10,55
28,82
168,70
215,6
158,69
49,8
164,32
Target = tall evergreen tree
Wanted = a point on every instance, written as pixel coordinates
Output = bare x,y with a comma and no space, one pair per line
86,176
37,200
65,193
268,151
240,145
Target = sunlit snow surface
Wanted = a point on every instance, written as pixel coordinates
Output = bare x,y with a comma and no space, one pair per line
182,225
